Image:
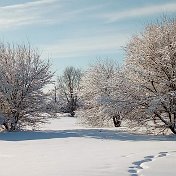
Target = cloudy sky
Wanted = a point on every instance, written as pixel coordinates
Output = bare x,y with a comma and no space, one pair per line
77,32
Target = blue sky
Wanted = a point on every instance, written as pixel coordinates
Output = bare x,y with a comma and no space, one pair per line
77,32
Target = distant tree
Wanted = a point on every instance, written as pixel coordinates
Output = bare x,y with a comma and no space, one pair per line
68,86
23,75
151,68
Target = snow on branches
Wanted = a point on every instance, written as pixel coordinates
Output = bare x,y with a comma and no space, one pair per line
97,89
151,65
143,91
23,75
67,90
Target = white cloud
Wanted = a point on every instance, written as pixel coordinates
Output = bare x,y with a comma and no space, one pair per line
40,12
142,11
85,46
28,4
26,13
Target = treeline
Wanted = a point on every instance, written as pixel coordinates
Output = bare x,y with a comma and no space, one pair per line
141,93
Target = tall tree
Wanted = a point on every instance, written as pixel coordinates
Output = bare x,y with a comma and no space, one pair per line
23,75
151,65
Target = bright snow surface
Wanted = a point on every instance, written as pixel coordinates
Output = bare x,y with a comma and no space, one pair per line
62,148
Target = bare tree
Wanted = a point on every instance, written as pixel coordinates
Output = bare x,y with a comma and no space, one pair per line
68,86
23,75
151,65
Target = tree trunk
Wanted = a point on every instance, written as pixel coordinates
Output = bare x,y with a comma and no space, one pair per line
72,107
173,129
6,126
116,120
13,125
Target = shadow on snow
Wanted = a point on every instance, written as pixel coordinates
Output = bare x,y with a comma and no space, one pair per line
102,134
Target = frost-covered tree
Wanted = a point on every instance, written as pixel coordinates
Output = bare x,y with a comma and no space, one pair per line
151,68
98,87
23,75
68,86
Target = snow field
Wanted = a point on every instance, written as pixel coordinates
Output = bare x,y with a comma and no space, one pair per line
63,148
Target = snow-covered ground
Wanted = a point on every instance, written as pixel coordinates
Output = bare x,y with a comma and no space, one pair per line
62,148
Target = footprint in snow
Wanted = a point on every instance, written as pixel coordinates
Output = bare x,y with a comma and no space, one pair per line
162,154
141,164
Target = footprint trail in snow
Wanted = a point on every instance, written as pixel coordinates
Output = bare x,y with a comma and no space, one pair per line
138,166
